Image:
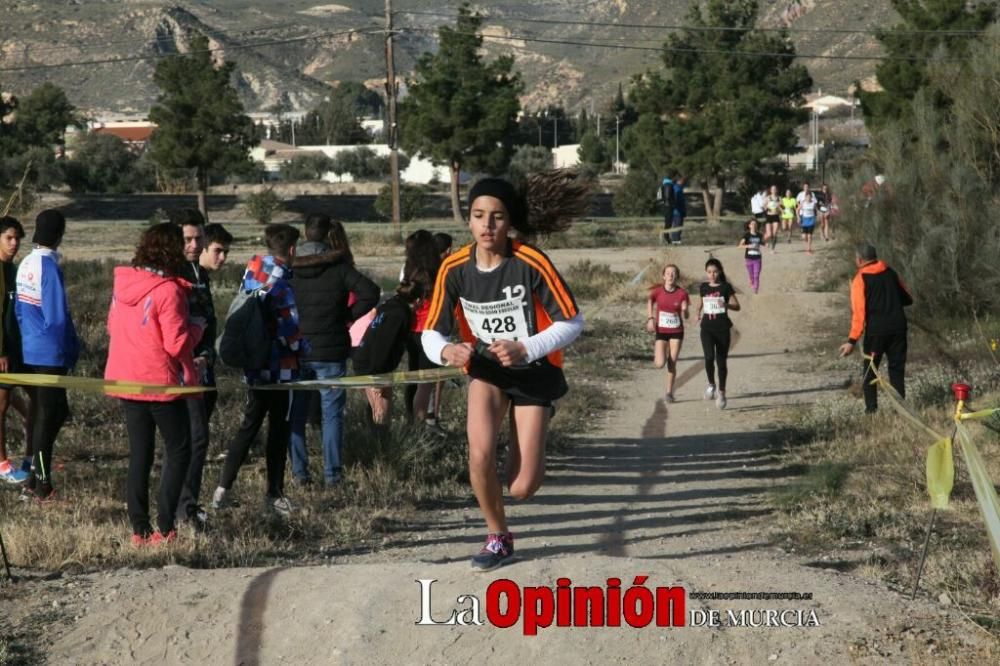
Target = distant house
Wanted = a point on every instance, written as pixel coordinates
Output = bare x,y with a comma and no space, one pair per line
135,134
272,154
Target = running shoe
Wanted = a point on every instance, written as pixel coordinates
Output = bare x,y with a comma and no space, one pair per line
670,398
720,401
498,551
280,505
12,474
710,392
434,428
138,540
219,499
157,538
198,518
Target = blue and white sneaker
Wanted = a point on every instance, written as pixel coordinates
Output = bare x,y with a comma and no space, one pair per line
14,475
498,551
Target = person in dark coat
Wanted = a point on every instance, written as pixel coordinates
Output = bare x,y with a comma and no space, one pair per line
324,278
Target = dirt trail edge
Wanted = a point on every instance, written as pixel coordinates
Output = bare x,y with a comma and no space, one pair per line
675,493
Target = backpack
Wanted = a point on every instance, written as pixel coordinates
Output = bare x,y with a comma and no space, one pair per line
245,342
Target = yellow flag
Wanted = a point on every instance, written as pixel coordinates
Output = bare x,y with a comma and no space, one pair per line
940,472
986,494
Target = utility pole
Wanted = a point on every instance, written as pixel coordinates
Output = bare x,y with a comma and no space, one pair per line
618,158
555,131
392,131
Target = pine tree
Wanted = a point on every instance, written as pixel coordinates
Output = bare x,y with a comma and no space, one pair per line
201,126
715,113
461,111
906,72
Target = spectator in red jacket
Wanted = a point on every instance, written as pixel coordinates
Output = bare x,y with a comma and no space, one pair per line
152,340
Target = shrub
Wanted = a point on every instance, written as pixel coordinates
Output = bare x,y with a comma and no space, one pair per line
636,196
306,167
528,160
261,206
412,199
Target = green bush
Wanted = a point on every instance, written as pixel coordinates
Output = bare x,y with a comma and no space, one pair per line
636,196
261,206
412,200
306,167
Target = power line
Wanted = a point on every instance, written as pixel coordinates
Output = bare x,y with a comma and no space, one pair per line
160,56
633,47
698,28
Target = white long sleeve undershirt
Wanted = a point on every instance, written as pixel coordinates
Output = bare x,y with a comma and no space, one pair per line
558,335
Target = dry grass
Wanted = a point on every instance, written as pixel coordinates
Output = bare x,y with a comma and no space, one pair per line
863,500
387,481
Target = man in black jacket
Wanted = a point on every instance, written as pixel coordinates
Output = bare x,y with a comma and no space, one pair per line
878,297
11,233
324,279
203,253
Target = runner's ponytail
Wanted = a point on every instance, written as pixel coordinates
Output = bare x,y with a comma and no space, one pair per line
544,203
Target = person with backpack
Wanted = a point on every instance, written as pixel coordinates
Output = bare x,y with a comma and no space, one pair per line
262,336
152,338
49,345
324,279
384,342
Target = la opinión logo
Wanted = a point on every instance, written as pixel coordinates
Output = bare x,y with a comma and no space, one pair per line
565,605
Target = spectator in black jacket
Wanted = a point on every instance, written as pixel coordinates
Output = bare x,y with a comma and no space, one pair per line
878,297
324,278
385,340
11,233
205,251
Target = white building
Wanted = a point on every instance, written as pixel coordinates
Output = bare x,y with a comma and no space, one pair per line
272,154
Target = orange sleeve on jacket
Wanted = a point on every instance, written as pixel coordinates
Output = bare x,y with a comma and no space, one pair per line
857,307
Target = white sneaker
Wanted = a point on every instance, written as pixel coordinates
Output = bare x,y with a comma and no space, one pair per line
280,505
720,401
219,499
710,392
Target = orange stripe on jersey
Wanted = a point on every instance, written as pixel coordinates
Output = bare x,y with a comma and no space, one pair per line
539,262
544,321
454,259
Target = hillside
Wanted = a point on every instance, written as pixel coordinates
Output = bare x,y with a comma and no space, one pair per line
334,42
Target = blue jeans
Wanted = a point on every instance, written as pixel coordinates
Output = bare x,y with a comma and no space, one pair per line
332,403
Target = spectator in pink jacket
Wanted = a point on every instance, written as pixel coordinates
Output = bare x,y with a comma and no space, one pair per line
152,341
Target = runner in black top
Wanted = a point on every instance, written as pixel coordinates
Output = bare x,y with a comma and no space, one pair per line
515,313
717,300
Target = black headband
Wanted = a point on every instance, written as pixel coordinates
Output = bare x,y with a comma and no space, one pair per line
499,188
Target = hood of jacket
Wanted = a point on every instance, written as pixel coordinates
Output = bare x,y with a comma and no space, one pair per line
134,284
311,265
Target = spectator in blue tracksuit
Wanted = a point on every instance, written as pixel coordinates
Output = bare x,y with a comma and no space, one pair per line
679,209
48,341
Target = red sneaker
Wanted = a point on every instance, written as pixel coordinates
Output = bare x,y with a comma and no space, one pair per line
157,538
138,541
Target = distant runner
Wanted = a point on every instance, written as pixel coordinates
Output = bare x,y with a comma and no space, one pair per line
667,307
788,212
717,299
752,241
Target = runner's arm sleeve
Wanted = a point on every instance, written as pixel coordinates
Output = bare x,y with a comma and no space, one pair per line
560,334
433,344
857,309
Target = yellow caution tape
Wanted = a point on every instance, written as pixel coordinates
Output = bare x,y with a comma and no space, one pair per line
369,381
986,494
121,387
981,414
940,472
95,384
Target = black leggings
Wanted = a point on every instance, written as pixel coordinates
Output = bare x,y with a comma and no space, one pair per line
260,405
716,347
142,420
48,411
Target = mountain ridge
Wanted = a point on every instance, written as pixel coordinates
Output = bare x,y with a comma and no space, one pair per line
300,48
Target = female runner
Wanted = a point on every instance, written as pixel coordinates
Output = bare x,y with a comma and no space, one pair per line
717,299
667,306
788,212
515,313
751,243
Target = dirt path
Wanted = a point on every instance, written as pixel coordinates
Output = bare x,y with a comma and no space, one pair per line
674,493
